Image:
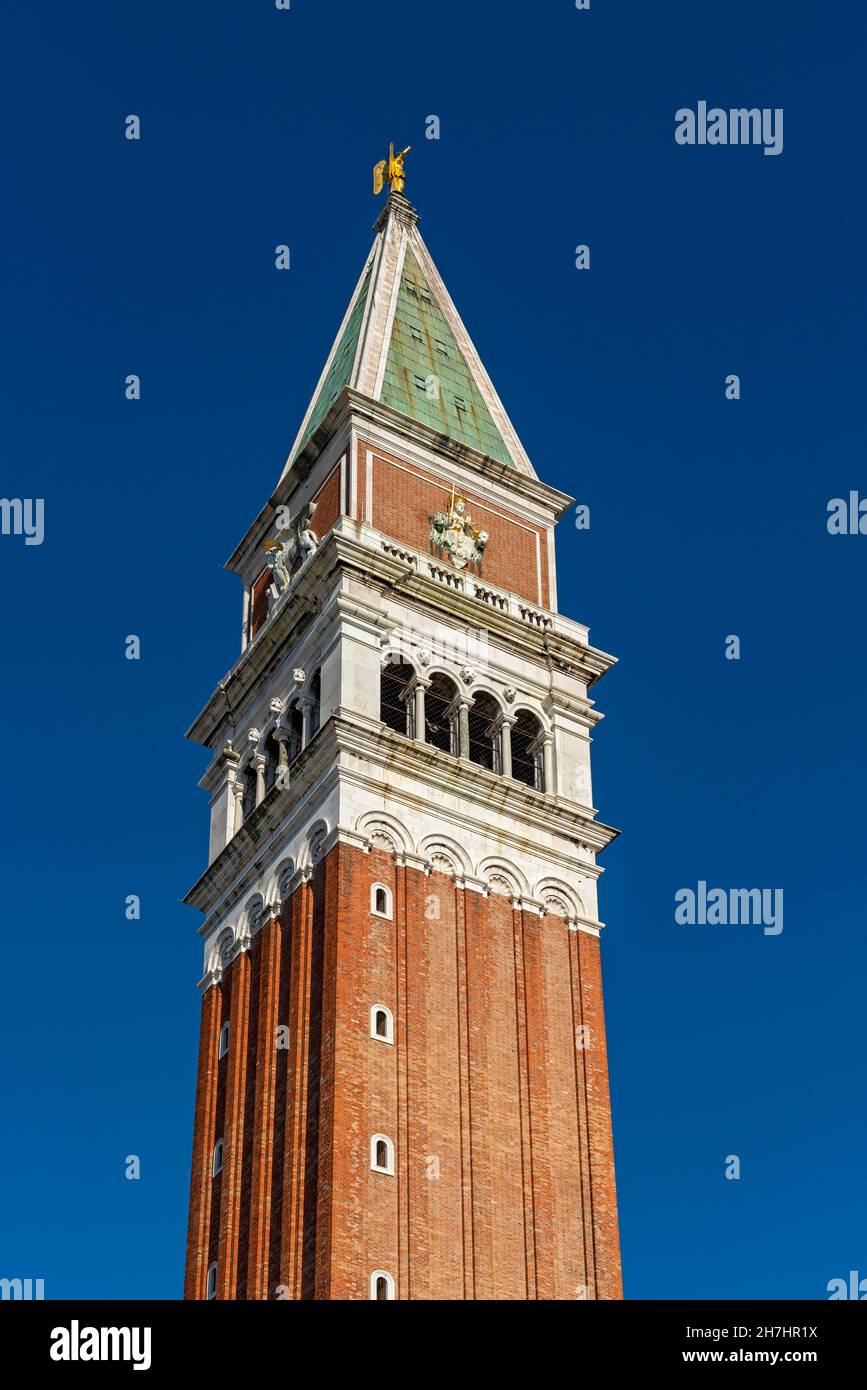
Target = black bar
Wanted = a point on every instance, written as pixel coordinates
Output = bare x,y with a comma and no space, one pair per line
257,1339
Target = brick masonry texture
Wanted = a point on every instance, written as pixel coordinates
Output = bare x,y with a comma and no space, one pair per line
404,501
327,503
402,504
504,1169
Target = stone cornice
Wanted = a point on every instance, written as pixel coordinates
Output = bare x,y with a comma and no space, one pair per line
282,631
309,594
272,823
333,757
432,769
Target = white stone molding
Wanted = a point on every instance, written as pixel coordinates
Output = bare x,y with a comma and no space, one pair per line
502,876
220,951
388,1035
445,856
328,361
441,863
368,486
531,906
244,936
473,885
315,845
388,1165
252,909
280,884
209,979
560,899
390,315
388,910
225,946
374,1282
564,900
556,907
381,831
589,928
537,711
270,913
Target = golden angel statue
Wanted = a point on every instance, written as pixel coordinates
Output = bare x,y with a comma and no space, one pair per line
390,170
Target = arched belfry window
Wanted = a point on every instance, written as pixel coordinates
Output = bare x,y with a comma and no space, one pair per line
224,1040
272,761
217,1165
249,791
294,720
382,1154
316,697
381,1024
484,732
211,1290
395,699
382,1286
441,723
527,756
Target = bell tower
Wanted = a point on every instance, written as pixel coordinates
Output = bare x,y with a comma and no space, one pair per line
402,1083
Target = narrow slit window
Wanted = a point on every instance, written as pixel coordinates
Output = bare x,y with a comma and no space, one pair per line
382,1154
381,900
381,1024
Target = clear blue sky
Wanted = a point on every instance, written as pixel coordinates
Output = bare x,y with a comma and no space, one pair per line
707,518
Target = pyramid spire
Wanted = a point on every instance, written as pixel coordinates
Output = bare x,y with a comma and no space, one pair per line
402,342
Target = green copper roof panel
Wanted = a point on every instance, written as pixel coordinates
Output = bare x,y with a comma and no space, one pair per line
426,375
341,366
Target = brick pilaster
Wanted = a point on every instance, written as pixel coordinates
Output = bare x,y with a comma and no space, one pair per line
292,1242
198,1231
519,928
233,1129
264,1111
606,1240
